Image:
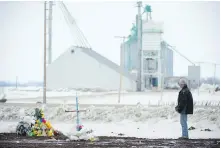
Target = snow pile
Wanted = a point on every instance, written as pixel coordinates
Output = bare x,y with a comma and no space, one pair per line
84,134
172,85
11,128
109,114
207,87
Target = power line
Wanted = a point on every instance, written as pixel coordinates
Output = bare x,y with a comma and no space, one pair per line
73,27
173,48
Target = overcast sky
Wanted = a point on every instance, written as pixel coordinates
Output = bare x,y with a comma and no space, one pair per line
193,27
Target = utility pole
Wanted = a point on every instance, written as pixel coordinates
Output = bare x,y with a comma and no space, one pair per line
139,48
121,65
50,32
45,48
47,27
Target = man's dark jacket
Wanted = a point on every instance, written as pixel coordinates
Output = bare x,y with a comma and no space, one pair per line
185,99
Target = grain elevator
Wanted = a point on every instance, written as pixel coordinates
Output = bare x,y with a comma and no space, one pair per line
154,61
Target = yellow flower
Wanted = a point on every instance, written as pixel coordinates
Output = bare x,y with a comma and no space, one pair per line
50,133
39,133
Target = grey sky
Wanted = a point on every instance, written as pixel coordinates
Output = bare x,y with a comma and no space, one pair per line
193,27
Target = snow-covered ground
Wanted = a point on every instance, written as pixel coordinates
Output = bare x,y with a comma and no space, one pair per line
33,92
37,92
151,129
138,121
33,95
139,114
132,98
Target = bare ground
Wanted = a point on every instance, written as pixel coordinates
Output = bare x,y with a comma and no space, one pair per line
12,140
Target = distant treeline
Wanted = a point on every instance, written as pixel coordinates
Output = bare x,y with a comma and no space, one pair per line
210,80
8,84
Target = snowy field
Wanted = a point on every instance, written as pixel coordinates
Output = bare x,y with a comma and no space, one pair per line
138,121
139,114
67,96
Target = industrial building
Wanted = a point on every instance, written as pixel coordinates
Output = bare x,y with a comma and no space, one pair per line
83,68
145,60
156,56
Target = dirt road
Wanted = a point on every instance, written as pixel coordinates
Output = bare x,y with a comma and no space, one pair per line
13,141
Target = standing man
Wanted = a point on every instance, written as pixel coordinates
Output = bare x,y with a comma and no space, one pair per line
184,107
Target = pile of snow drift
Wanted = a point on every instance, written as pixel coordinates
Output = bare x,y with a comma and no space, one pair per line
208,87
83,134
113,113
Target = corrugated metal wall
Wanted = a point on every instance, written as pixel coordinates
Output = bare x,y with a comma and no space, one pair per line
130,55
151,41
168,60
169,63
